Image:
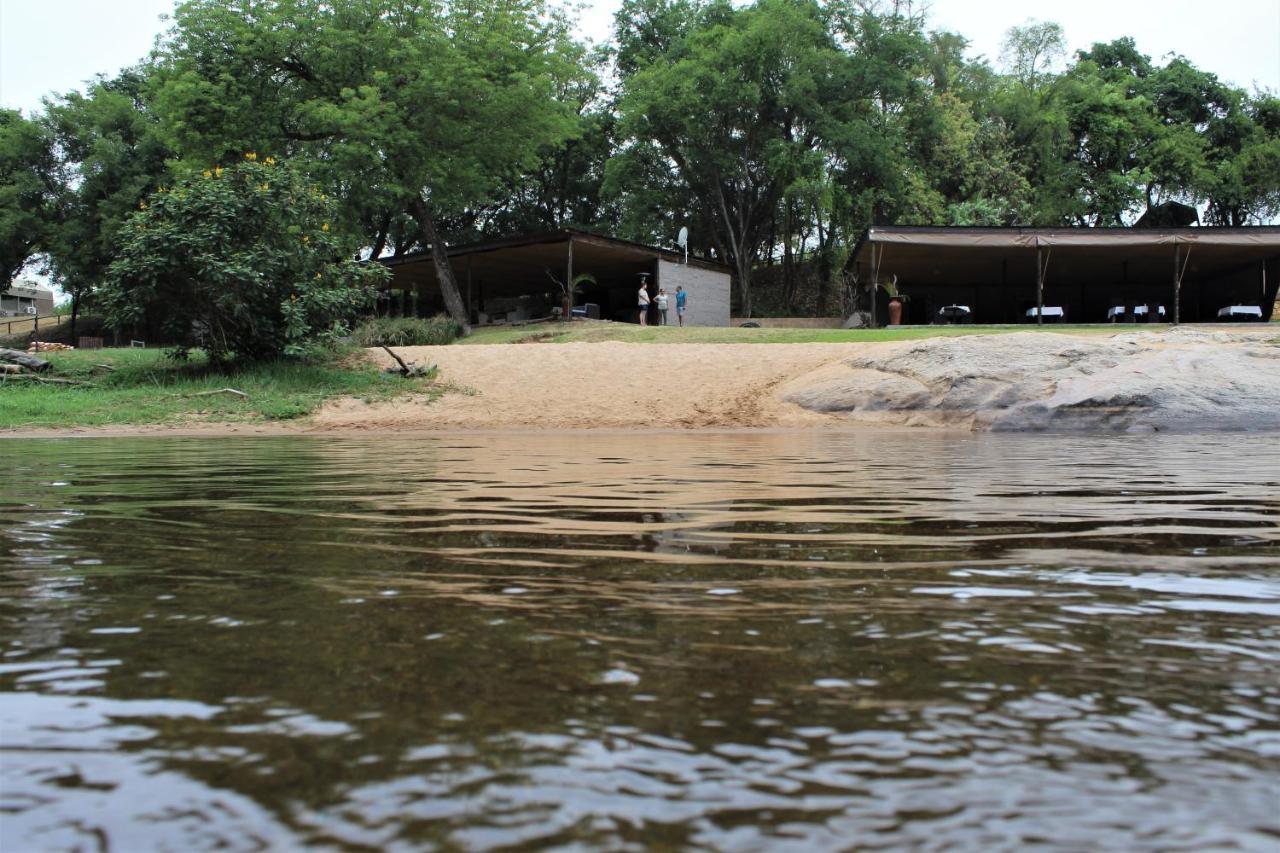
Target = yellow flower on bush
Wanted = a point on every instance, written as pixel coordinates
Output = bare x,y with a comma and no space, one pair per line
324,227
142,205
264,186
270,161
217,172
306,239
207,173
251,155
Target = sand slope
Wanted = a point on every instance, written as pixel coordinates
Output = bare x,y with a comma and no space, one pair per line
1190,379
601,385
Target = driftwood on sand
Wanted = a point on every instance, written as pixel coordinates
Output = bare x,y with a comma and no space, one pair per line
406,368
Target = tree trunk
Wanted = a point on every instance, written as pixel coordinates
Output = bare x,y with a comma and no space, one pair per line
788,261
381,242
75,312
440,255
744,282
824,274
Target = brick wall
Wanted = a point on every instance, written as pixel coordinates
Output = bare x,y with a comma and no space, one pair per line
708,293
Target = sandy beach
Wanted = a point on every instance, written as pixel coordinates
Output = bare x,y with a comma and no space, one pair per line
1169,379
1184,379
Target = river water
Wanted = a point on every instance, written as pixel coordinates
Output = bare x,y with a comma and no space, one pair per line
721,640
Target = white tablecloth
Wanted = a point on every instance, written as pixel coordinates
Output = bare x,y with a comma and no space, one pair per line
964,308
1240,311
1049,311
1138,311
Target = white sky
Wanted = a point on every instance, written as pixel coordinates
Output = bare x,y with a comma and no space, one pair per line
55,45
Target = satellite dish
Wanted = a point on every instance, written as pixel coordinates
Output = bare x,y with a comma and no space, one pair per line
683,242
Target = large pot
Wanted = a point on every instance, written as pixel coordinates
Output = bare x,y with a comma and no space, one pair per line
895,311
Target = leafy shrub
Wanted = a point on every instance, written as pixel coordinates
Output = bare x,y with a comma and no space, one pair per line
240,261
407,332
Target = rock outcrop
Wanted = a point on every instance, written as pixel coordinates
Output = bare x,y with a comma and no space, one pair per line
1184,380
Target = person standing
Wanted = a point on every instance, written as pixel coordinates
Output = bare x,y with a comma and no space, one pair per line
662,306
644,305
682,303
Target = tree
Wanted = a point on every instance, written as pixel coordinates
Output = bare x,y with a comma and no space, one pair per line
735,100
110,158
424,109
566,186
1030,51
1242,180
242,261
29,187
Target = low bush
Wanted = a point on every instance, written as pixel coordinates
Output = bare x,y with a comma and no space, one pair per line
407,332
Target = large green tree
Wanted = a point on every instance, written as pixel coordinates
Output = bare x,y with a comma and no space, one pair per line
29,190
110,158
736,100
424,109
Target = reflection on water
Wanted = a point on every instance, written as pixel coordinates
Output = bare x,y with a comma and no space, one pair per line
741,641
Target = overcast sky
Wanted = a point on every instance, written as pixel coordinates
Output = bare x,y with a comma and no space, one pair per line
55,45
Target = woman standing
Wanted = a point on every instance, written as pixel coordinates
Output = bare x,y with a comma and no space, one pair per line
644,304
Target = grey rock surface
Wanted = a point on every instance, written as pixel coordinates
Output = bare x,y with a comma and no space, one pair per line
1178,380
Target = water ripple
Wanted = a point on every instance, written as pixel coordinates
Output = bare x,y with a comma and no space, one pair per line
626,641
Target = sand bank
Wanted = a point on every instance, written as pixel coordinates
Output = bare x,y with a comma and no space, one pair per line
1183,379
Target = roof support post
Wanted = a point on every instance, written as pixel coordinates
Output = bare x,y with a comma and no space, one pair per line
568,284
471,306
1039,286
1177,284
1179,268
875,279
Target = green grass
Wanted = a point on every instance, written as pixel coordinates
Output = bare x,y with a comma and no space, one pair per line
146,388
590,332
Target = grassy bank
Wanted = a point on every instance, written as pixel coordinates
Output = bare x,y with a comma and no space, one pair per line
139,386
588,332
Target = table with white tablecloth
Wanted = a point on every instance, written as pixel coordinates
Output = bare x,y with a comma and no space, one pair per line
1240,312
1055,312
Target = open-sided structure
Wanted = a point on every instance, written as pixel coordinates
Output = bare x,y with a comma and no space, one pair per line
518,278
1011,275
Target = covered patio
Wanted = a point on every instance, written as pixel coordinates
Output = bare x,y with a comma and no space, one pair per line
515,279
1076,275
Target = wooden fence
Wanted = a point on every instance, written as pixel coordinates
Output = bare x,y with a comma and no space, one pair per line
20,325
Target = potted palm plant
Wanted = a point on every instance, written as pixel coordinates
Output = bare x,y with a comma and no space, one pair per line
569,289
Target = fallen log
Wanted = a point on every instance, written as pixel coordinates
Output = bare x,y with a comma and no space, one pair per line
30,362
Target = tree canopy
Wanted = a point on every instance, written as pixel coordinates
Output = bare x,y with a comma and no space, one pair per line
776,130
